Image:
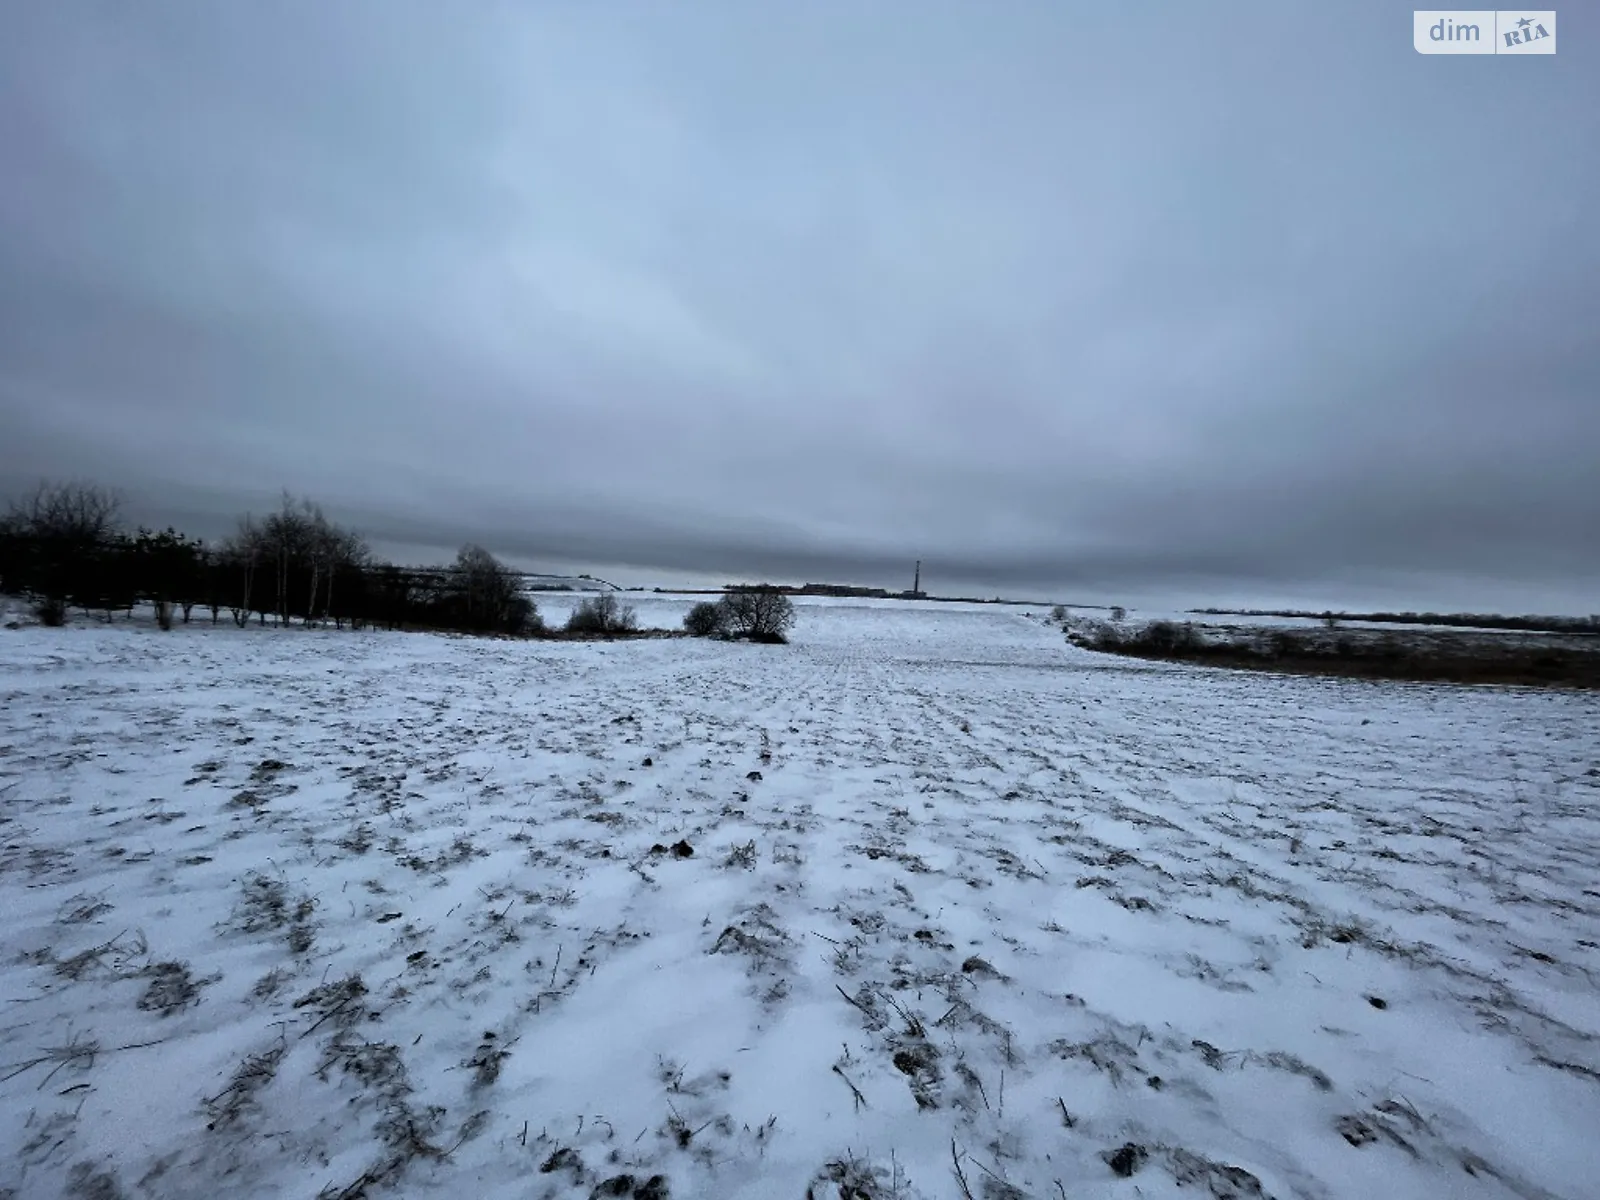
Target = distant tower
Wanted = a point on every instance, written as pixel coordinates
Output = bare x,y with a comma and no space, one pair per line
916,584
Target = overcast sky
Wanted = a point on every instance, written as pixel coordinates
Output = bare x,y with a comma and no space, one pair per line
1211,301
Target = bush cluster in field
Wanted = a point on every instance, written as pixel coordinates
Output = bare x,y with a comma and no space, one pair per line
1526,624
602,614
1452,656
758,614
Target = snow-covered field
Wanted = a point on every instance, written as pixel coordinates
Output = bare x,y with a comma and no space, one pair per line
926,904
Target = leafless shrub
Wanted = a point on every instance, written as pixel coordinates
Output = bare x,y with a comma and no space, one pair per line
760,614
704,620
602,614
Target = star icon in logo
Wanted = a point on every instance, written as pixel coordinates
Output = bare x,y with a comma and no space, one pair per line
1524,23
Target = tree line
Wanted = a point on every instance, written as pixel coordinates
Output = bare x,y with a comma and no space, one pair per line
65,546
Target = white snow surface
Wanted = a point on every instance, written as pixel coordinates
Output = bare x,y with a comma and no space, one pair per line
307,912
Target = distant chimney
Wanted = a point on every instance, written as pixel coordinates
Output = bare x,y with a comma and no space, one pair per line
916,584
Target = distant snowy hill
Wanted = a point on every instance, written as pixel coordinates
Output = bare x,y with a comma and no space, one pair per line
566,583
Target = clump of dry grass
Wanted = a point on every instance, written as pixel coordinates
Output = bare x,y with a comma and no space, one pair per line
856,1179
757,936
231,1105
88,1182
1219,1179
266,905
171,989
339,1001
82,909
486,1060
742,857
109,959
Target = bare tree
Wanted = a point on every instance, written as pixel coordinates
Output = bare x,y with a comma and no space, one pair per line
243,553
761,614
76,513
346,552
194,578
489,594
214,566
317,546
285,536
61,531
13,554
477,579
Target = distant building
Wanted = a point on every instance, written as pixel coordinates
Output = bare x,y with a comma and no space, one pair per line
916,592
842,589
847,590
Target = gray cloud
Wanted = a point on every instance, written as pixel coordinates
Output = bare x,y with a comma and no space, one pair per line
1262,304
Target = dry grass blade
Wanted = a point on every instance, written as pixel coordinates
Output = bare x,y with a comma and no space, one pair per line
961,1176
79,1055
861,1101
